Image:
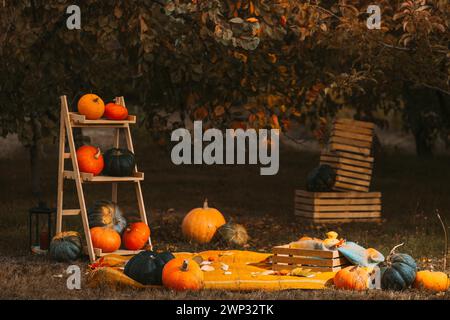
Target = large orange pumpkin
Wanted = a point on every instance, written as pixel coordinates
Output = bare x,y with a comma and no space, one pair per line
182,274
201,224
91,106
136,236
90,160
352,278
106,239
431,281
115,112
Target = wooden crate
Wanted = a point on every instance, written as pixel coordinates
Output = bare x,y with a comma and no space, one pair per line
337,207
353,172
352,136
285,258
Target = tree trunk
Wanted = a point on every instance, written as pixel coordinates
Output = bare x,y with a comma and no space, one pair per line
423,146
36,152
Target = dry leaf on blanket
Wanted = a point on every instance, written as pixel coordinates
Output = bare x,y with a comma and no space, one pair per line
224,266
300,272
204,263
227,272
207,268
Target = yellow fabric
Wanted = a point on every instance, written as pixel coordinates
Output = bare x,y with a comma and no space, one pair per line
246,270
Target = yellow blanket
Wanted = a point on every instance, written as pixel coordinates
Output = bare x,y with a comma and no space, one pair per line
246,271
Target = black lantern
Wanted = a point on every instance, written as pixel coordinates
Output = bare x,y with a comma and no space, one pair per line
40,230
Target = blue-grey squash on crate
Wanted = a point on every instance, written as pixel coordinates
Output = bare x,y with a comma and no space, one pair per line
321,179
399,272
66,246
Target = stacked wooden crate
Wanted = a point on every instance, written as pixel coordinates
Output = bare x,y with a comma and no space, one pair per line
348,152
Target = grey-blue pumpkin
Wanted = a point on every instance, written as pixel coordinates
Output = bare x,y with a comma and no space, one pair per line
66,246
105,213
399,272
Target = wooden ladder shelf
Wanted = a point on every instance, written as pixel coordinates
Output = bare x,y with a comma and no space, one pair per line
70,120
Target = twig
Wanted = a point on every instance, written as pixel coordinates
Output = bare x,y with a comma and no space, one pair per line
444,226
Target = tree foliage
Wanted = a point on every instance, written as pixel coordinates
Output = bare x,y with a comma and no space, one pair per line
231,63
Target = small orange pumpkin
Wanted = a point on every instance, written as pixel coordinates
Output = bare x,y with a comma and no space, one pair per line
90,160
136,236
182,274
201,224
115,112
105,238
431,281
91,106
352,278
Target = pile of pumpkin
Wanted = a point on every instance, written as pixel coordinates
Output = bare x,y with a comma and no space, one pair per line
399,272
109,232
114,162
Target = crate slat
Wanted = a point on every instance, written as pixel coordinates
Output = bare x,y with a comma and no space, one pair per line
351,142
339,195
342,186
352,135
338,214
312,201
305,261
353,129
356,123
344,147
286,258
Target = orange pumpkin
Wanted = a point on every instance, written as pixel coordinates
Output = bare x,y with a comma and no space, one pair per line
182,274
352,278
105,238
201,224
136,236
115,112
90,160
431,281
91,106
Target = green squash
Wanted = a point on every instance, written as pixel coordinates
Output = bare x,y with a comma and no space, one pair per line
105,213
66,246
399,272
321,179
146,267
119,162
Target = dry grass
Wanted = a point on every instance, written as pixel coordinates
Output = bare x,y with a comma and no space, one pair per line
412,190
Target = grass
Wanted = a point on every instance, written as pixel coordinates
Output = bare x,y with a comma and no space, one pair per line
412,190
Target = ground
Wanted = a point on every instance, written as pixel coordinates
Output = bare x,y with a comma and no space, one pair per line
413,189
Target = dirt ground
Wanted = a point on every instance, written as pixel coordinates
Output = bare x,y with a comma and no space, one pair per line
413,189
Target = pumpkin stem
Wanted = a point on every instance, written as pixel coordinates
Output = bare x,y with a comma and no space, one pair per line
98,154
185,265
205,204
393,252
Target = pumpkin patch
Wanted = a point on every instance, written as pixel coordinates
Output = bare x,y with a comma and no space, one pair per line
399,272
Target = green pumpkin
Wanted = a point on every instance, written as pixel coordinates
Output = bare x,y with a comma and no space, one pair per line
66,246
119,162
399,272
105,213
232,234
321,179
146,267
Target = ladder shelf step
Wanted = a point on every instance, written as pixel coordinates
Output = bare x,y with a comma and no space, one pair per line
89,177
80,120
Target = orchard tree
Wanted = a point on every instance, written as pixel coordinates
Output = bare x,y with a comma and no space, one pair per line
230,63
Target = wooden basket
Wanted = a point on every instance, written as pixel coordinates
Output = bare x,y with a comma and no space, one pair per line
352,136
353,172
336,207
285,258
